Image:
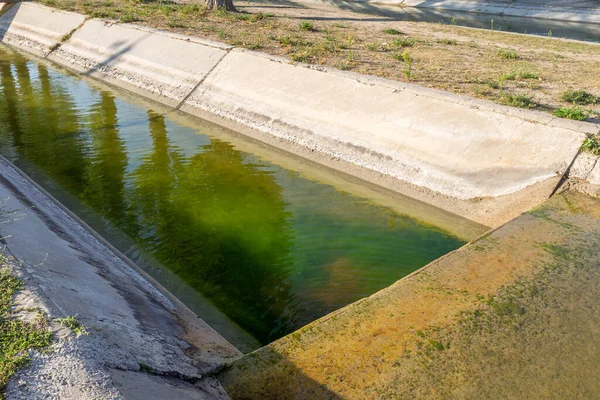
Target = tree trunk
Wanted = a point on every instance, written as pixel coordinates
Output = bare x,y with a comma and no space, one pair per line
225,4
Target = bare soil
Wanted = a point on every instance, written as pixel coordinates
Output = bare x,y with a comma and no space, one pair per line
456,59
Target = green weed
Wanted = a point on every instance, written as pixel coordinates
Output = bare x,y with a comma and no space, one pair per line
577,113
579,97
73,324
306,26
406,57
591,144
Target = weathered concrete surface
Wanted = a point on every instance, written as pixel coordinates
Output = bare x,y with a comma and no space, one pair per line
36,29
132,325
449,144
160,64
584,175
579,10
511,315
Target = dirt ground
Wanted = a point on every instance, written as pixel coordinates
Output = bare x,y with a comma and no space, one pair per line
518,70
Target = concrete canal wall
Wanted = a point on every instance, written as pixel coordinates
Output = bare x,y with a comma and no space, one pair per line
587,11
477,159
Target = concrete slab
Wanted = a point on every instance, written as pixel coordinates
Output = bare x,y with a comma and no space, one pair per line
155,64
36,29
449,144
511,315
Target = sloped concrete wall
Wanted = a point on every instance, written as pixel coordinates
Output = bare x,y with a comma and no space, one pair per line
166,65
36,29
458,147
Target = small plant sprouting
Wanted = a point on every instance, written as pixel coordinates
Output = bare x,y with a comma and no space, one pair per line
391,31
591,144
73,324
306,26
579,97
407,59
508,54
576,113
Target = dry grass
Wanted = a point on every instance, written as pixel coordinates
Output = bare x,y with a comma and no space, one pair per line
460,60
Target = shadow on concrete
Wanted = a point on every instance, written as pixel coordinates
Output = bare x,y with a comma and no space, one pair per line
256,383
115,55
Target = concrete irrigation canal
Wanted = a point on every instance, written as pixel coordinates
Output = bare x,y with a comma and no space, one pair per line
193,220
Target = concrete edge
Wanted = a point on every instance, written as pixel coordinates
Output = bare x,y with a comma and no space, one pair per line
190,321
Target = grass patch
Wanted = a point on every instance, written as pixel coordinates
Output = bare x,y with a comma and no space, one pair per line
591,144
128,17
408,42
517,76
518,100
373,46
391,31
73,324
576,113
16,337
579,97
193,9
508,54
528,75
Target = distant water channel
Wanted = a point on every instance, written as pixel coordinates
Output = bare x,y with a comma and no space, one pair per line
582,31
270,249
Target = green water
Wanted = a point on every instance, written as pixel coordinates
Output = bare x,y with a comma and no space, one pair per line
269,248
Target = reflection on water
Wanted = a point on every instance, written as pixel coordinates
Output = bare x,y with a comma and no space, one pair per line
270,249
